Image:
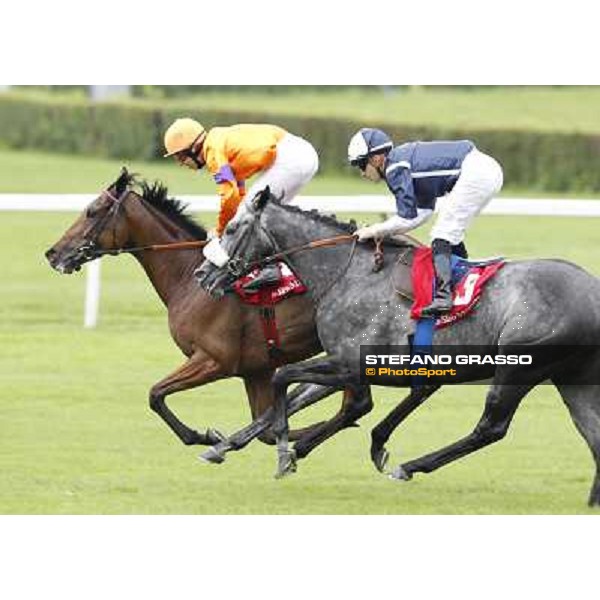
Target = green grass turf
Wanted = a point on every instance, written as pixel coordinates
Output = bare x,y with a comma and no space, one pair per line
566,108
77,435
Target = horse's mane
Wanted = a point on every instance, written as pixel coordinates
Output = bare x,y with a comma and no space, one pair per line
156,194
317,216
350,227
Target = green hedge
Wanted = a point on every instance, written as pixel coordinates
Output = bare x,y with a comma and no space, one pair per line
543,161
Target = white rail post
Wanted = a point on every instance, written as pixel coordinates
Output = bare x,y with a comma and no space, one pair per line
105,92
92,294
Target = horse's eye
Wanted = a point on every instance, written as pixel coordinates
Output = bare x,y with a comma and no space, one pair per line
231,228
90,213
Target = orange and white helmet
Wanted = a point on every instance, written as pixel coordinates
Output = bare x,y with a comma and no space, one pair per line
181,135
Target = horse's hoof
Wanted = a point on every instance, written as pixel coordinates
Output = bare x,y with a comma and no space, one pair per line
594,502
212,456
380,459
288,464
214,436
399,474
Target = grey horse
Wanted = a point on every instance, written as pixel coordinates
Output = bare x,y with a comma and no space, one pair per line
534,303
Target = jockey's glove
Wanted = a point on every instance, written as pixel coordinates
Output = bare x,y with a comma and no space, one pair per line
366,233
393,225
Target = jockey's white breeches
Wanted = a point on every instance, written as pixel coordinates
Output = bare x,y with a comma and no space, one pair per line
295,165
480,179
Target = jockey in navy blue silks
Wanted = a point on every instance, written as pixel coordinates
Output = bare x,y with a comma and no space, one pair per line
417,174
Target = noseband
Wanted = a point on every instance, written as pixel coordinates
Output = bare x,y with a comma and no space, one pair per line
89,250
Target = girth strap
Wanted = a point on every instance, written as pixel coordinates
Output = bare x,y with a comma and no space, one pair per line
269,327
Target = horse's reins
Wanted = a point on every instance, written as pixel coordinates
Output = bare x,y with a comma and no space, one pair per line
324,243
90,249
192,245
315,244
344,269
237,267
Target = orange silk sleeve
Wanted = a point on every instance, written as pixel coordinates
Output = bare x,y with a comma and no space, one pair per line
230,200
218,165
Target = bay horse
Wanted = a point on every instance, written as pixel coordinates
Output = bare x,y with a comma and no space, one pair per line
544,304
220,338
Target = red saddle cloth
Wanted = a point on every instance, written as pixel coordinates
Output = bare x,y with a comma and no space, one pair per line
469,279
288,285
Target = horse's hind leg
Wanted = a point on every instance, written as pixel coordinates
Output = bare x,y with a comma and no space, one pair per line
260,395
300,397
304,395
357,403
382,431
501,403
198,370
583,402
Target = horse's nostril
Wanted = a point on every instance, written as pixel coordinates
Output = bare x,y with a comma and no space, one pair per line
50,253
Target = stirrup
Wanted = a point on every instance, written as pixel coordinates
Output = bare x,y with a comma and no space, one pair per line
435,310
258,283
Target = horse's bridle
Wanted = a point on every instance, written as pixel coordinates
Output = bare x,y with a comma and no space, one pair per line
90,250
237,267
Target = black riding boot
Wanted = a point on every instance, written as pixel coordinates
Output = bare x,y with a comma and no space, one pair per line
442,302
460,250
268,276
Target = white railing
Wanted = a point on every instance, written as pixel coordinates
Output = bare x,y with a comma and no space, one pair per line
354,204
348,204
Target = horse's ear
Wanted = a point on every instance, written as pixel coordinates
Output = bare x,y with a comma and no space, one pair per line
261,198
124,171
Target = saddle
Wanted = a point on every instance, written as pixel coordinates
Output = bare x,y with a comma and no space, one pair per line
402,273
401,277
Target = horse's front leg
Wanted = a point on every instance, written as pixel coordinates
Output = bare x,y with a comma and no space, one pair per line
322,371
198,370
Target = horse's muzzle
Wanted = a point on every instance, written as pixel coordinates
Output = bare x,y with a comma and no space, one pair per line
68,262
